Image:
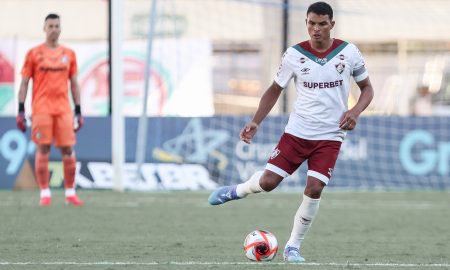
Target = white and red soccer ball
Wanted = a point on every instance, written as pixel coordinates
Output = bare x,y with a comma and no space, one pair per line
260,245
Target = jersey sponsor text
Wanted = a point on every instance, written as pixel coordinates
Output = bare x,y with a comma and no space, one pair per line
321,85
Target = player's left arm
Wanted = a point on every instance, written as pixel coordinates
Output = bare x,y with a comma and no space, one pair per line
350,117
75,90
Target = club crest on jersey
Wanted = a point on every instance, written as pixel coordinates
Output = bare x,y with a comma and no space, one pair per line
340,67
64,59
275,153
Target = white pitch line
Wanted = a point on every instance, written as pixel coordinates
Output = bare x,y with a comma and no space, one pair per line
399,265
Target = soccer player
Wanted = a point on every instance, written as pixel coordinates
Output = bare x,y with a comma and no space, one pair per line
321,68
50,66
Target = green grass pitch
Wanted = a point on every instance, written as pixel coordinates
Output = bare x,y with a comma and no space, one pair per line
179,230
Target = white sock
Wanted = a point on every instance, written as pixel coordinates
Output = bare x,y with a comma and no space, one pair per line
251,186
303,218
45,193
70,192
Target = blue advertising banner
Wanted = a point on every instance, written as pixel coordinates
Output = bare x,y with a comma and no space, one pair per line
201,153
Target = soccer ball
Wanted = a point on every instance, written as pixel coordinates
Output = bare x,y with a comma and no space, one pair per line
260,245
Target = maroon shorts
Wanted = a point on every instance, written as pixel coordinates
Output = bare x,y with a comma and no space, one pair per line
291,151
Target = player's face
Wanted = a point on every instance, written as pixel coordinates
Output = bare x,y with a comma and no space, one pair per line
52,29
319,26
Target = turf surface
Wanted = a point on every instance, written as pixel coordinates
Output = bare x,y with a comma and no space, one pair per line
179,230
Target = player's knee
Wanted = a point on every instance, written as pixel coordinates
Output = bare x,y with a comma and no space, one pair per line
66,151
268,185
43,149
270,182
314,191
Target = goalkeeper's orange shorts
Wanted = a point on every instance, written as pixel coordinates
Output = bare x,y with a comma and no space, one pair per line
57,129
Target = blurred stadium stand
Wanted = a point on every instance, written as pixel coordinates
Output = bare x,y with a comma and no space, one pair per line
406,43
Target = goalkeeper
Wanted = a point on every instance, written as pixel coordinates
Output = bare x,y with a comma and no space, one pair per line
321,68
50,66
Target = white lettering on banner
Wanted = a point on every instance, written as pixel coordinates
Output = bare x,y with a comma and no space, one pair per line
186,176
149,172
247,168
156,176
254,151
133,181
171,176
199,175
354,150
81,180
102,174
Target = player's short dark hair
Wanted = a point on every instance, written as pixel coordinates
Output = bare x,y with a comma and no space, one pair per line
320,8
51,16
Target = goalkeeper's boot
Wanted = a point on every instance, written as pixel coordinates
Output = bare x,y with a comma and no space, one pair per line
74,200
292,254
45,201
223,195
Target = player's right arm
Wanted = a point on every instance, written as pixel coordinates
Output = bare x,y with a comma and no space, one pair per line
27,73
268,100
23,89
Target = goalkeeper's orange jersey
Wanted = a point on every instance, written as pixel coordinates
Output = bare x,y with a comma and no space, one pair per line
50,69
